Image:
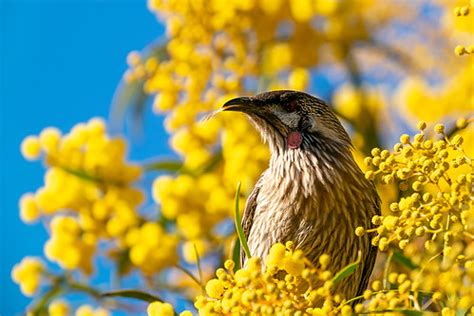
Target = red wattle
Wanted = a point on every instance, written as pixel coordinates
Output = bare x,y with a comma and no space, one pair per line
294,139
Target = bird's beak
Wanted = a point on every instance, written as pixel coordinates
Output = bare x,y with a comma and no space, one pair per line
242,104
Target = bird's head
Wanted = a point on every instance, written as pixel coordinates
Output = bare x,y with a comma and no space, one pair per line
290,120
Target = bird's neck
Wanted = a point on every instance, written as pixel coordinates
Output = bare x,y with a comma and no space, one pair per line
307,170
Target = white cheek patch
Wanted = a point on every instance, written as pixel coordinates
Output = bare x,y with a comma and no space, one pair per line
289,119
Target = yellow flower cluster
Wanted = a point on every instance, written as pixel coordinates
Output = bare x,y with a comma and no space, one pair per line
68,244
464,23
379,300
448,275
436,209
27,274
433,287
215,47
152,248
354,104
440,205
88,191
61,308
414,91
287,285
461,50
455,84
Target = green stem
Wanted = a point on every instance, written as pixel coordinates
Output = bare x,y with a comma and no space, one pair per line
188,273
238,224
53,292
386,270
83,288
198,259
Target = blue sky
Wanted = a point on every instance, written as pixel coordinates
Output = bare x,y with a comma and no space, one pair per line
60,64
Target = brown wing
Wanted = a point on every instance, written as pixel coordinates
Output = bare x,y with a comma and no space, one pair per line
368,267
369,260
247,218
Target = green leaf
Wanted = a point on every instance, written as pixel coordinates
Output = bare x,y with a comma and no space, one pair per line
164,221
210,165
198,261
347,270
403,260
166,165
412,313
236,254
123,263
191,275
139,295
84,288
238,224
81,174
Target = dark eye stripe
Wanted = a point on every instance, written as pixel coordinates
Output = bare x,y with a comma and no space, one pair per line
291,106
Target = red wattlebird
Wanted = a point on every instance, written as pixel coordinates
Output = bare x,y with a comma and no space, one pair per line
313,193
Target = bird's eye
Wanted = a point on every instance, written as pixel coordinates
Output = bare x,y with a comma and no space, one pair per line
291,106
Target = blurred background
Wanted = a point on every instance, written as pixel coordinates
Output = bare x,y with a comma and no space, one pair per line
153,70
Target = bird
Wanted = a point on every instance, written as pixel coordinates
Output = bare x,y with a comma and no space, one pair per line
313,193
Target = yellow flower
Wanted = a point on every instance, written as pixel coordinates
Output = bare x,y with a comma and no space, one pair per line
250,289
279,57
58,308
191,247
31,148
160,309
390,222
299,79
66,245
271,6
143,243
326,7
302,10
27,274
29,211
165,101
348,101
276,256
294,264
190,225
214,288
49,139
87,310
